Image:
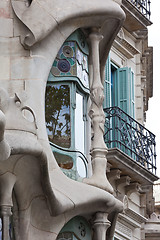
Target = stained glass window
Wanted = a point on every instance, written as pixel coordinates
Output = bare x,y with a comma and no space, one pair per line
77,228
66,106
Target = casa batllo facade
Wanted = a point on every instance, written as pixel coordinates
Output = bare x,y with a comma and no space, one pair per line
76,159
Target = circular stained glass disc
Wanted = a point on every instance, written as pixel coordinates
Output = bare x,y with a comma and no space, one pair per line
68,51
64,65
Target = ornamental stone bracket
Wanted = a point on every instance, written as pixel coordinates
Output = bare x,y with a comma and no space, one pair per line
114,175
123,181
108,169
120,184
133,187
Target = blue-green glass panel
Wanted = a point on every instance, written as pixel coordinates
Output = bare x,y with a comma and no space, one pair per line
79,37
71,60
65,236
72,163
79,227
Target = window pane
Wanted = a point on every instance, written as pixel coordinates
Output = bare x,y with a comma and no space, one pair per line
81,168
63,160
79,124
0,229
57,112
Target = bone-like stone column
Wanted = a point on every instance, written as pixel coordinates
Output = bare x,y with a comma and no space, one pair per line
7,182
100,226
5,213
4,147
98,148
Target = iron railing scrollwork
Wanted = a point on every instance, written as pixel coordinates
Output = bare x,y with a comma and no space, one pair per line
143,6
125,133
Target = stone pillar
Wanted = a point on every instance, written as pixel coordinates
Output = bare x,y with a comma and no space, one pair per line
5,213
4,147
7,182
100,226
98,148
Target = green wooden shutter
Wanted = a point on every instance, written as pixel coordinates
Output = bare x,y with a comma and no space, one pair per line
125,91
132,95
107,85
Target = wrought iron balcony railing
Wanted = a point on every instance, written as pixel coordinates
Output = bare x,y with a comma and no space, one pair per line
143,6
125,133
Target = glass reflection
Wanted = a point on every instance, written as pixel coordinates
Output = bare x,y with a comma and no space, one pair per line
0,229
79,124
10,229
63,160
81,168
57,112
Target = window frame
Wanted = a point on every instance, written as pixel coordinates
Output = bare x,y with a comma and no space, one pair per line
71,151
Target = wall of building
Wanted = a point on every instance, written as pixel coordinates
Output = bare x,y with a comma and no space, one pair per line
44,199
130,54
28,47
128,50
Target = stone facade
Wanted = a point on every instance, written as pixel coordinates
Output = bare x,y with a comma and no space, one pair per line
37,200
130,49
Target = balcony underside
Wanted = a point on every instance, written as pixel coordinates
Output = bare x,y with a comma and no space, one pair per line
135,20
128,167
